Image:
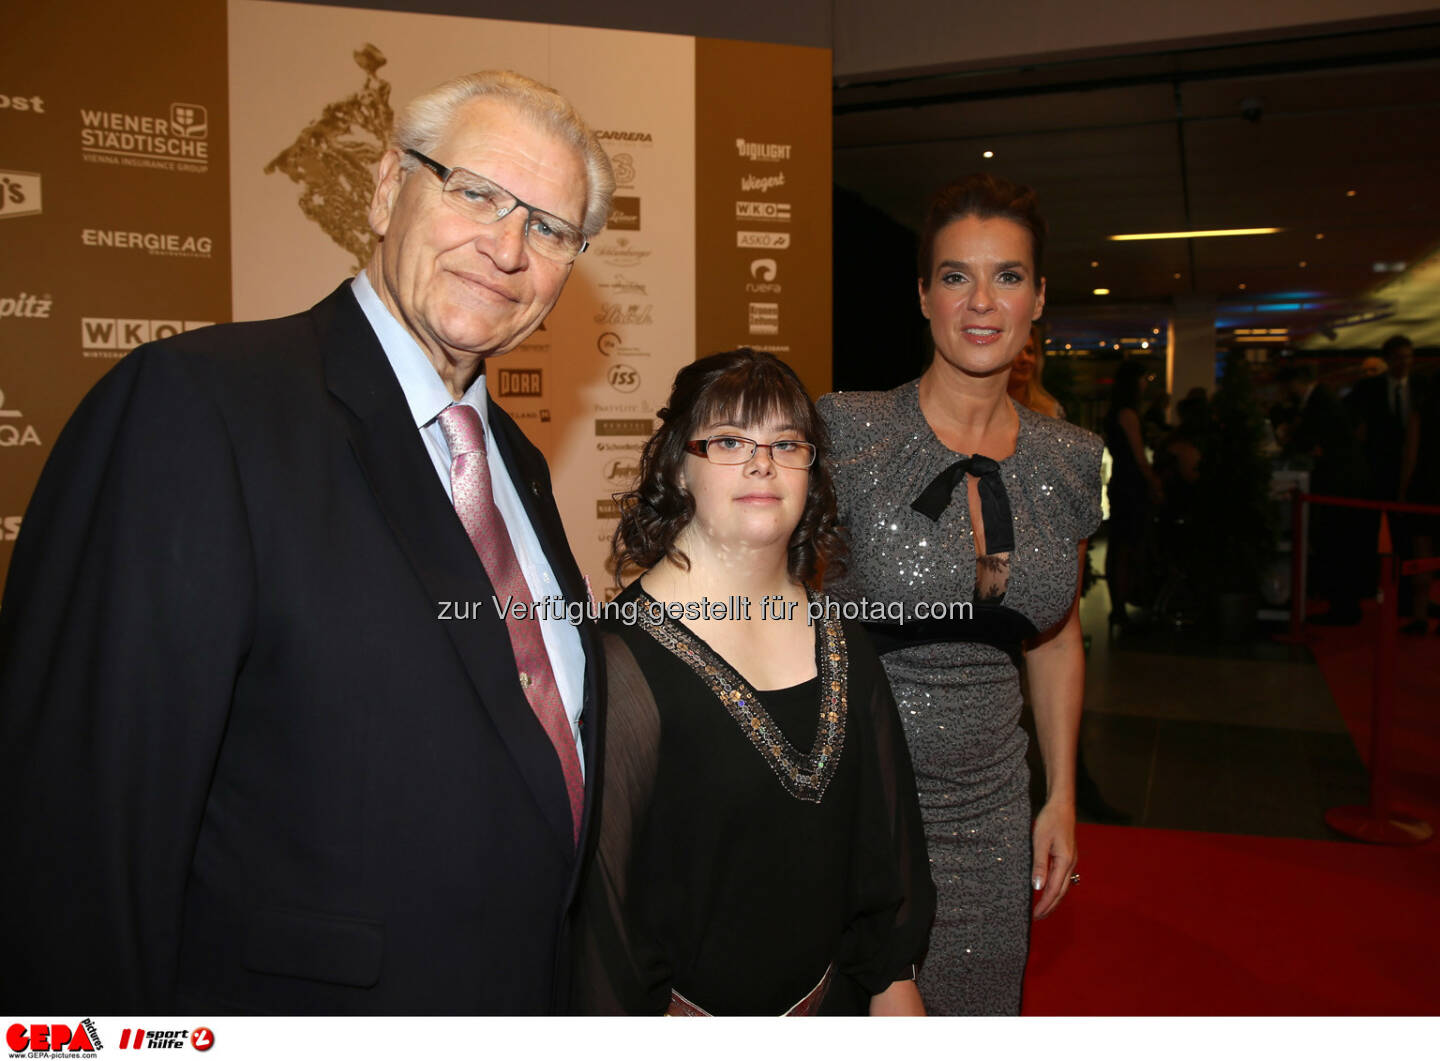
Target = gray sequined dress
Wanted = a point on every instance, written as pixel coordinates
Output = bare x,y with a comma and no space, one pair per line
960,700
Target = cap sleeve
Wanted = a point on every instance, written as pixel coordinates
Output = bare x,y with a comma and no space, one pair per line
1086,505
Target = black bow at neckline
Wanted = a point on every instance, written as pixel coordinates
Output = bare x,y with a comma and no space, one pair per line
994,502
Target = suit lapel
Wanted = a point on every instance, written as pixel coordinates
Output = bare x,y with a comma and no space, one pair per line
388,447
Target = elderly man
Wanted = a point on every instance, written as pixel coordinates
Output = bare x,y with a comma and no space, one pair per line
266,746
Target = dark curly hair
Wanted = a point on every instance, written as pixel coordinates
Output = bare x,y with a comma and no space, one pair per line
743,387
982,195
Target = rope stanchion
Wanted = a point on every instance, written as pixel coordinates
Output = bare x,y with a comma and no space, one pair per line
1377,823
1296,635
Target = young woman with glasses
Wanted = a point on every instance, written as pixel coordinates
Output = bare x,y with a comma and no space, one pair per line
760,850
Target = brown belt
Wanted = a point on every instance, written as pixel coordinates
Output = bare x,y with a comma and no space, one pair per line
680,1006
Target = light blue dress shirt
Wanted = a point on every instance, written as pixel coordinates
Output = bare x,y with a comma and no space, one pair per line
428,397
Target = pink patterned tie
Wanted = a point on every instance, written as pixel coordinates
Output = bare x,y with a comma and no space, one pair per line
475,504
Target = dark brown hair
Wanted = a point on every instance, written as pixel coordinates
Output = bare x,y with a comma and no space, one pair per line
982,195
745,388
1395,344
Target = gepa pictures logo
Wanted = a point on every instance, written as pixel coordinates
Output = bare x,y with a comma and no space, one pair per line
81,1040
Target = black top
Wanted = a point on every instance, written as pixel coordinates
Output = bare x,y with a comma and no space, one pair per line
749,840
1425,480
1127,482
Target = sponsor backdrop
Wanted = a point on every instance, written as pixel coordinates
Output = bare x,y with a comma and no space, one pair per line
114,205
231,181
763,202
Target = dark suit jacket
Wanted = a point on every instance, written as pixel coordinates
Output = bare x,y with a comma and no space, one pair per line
1382,434
243,765
1323,432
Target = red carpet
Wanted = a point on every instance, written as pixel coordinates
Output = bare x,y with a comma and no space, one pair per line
1181,923
1199,924
1346,656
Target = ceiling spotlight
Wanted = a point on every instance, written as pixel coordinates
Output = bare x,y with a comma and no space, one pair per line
1177,276
1067,346
1319,235
1242,287
1154,331
1195,233
1304,264
1101,291
1350,194
1144,344
991,154
1094,265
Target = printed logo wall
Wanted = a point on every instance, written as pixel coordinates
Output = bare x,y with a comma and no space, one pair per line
313,93
143,199
114,211
763,202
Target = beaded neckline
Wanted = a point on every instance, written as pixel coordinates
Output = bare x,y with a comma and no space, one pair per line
805,777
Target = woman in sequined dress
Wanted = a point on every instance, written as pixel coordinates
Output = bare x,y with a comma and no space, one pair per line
761,849
954,495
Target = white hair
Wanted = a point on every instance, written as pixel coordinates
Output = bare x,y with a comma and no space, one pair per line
427,118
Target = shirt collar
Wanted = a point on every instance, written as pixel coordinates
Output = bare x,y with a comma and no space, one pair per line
425,392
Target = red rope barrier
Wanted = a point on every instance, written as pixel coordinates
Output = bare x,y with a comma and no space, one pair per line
1377,823
1298,500
1383,506
1420,565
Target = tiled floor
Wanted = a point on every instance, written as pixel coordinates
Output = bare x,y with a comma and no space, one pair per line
1183,733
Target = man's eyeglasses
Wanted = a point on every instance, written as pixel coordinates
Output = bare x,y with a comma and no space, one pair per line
482,200
737,449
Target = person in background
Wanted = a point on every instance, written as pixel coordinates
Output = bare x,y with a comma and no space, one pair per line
1027,378
1026,389
1177,461
1155,424
1321,433
1420,484
761,849
947,488
1134,491
1380,407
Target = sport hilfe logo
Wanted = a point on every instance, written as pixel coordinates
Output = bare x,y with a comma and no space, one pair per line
201,1038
